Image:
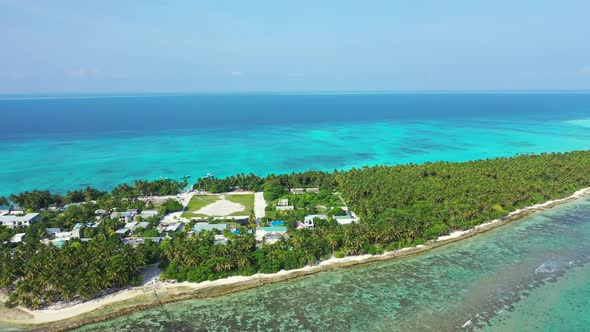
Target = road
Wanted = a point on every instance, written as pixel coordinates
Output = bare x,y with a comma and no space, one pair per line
259,205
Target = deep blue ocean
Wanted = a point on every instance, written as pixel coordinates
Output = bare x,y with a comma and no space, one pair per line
530,275
62,143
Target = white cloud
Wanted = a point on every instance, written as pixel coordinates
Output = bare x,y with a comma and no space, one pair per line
84,73
237,74
585,70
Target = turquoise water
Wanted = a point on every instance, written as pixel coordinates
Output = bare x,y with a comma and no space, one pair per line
530,275
66,143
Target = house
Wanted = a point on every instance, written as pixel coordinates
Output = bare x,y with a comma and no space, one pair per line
174,227
147,214
298,191
16,238
347,219
132,226
283,205
126,216
52,231
136,242
156,239
12,221
140,225
77,233
63,235
123,232
100,212
308,220
202,226
16,211
132,242
5,209
271,234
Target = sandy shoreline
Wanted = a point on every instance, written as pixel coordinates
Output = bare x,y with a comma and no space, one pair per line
156,293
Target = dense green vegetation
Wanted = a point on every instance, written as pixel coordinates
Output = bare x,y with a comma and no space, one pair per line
399,206
324,202
273,185
149,188
42,199
414,202
45,273
170,205
405,205
197,258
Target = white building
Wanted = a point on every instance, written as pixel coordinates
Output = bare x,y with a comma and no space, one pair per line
283,205
298,191
52,231
148,213
271,234
347,219
174,227
126,216
16,238
308,220
12,221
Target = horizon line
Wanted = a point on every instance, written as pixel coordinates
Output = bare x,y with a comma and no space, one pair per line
90,95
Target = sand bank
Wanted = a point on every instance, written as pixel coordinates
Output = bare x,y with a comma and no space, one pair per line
156,292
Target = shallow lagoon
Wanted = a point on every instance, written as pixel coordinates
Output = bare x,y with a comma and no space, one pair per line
67,143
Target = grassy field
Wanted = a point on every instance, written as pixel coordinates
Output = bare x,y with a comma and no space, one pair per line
246,200
200,201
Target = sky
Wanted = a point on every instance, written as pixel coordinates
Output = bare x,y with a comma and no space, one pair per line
138,46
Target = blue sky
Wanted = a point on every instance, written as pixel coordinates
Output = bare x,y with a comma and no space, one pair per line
202,46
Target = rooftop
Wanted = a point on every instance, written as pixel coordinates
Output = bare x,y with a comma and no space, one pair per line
26,217
274,229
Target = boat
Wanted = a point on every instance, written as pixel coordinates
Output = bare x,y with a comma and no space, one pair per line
209,176
186,177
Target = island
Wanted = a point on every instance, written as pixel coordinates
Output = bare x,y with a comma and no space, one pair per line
151,242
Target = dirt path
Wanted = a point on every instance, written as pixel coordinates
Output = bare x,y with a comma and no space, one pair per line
259,205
